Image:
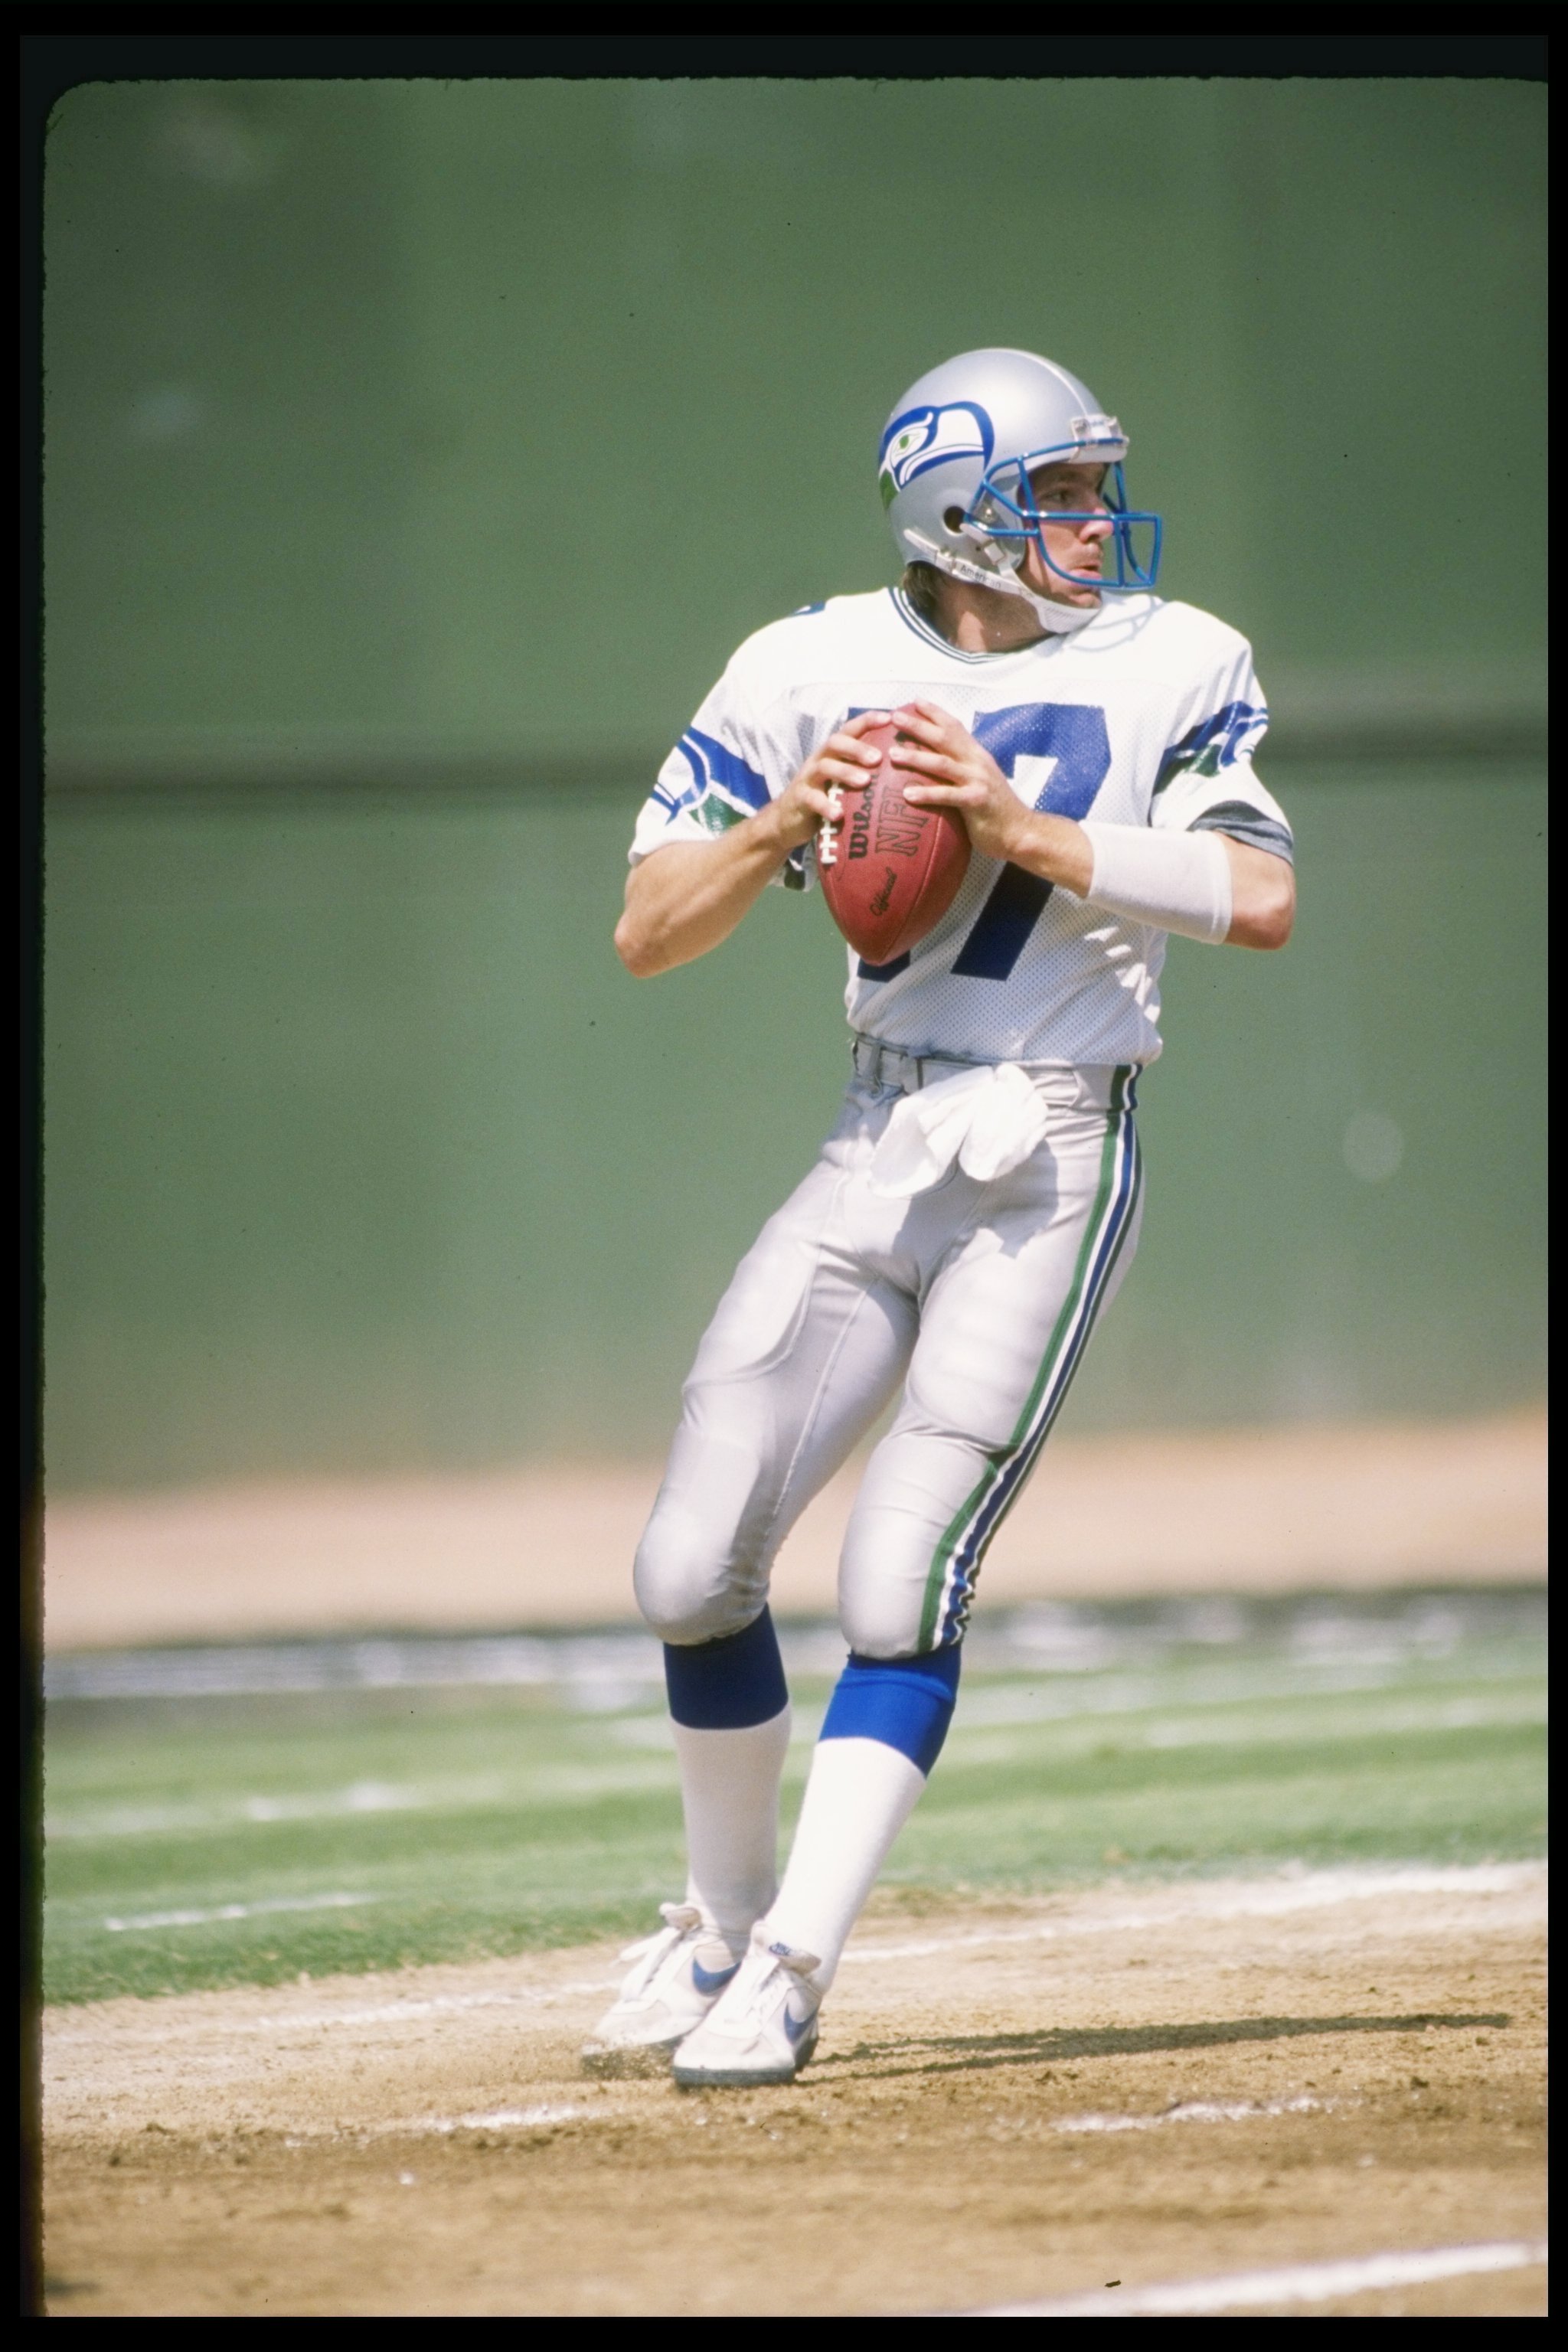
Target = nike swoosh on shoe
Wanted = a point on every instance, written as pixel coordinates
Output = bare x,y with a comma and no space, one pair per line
708,1980
796,2026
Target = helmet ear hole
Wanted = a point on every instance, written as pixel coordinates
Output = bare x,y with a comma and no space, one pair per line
953,517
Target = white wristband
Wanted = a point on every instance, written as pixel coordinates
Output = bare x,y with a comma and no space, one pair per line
1175,881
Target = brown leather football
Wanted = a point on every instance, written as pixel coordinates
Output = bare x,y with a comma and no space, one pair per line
889,871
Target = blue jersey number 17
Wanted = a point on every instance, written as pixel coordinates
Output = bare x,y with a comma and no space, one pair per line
1073,734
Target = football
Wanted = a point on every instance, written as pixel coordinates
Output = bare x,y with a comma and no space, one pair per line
889,871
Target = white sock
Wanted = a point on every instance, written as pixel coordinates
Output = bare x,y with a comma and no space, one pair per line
730,1795
859,1795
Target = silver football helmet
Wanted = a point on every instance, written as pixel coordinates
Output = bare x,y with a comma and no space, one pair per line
954,467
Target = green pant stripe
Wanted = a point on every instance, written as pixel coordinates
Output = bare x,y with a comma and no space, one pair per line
1117,1128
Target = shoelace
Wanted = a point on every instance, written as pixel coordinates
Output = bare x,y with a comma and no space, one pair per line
679,1919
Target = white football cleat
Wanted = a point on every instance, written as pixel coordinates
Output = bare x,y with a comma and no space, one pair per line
763,2029
680,1974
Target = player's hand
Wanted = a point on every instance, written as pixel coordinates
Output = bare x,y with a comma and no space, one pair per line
842,764
957,773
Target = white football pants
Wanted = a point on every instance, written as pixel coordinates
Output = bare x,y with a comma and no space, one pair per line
979,1297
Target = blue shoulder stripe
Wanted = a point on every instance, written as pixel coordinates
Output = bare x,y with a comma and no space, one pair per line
713,763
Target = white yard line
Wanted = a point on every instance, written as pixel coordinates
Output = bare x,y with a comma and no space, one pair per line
1311,1891
1296,2283
990,1735
239,1911
1221,1900
1195,2111
113,1822
63,2028
499,2119
536,2118
553,1784
450,2004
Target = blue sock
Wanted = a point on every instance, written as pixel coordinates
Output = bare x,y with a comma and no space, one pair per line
727,1684
906,1703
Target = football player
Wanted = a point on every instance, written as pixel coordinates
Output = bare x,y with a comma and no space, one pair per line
977,1203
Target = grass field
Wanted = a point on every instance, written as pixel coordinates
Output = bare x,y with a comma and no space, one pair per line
242,1816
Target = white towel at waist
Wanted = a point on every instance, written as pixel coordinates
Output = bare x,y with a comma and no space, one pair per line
988,1119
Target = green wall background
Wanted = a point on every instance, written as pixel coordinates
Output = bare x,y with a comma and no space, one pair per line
416,455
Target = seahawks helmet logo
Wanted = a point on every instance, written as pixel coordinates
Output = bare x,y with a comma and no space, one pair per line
923,437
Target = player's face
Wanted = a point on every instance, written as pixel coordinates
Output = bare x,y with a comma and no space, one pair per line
1074,546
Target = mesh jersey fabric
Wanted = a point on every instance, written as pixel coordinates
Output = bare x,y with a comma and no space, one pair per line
1148,716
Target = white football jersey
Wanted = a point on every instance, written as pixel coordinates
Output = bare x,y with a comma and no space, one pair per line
1150,714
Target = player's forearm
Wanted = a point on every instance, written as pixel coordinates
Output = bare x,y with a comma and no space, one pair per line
1263,896
1055,850
688,898
1201,885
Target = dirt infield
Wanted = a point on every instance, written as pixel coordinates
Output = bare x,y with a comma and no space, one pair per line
1260,1510
1134,2084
